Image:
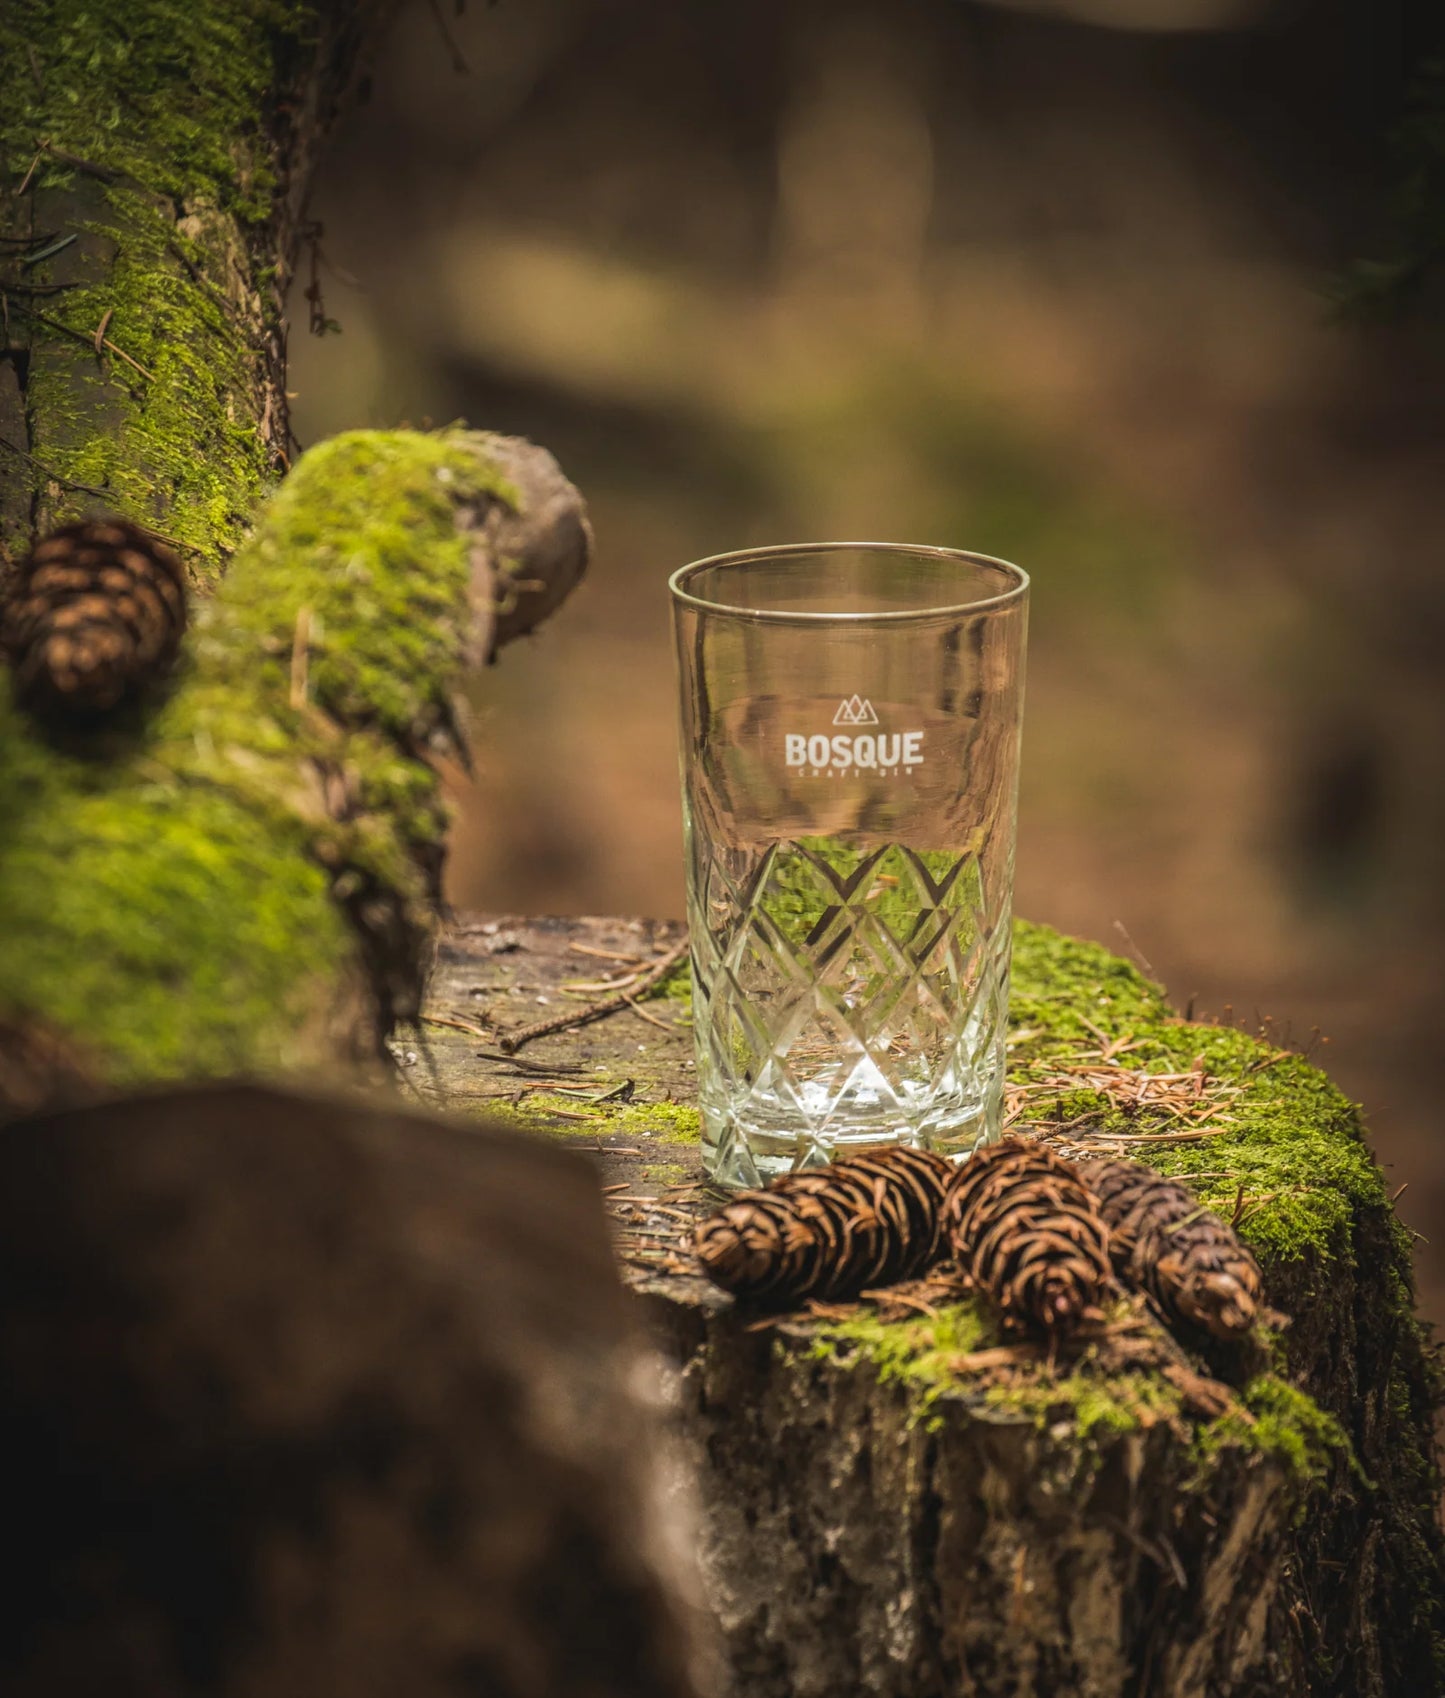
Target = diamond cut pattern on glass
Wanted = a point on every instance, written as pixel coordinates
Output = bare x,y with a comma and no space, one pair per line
845,993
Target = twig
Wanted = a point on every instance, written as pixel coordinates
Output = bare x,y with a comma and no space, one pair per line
300,659
654,975
121,354
587,1094
50,249
1162,1137
546,1068
1143,959
101,329
642,1013
106,173
456,1025
9,287
180,546
606,954
40,466
25,180
85,340
999,1356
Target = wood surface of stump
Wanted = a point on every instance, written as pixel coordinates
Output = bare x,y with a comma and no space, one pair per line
897,1501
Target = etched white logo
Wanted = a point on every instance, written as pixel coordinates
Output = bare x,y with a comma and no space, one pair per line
855,710
883,752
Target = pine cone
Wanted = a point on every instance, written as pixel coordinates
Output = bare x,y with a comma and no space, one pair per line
1026,1231
91,615
1165,1242
868,1219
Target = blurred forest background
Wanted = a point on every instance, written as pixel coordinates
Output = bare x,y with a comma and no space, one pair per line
1050,281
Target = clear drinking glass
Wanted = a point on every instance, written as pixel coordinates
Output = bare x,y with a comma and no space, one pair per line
850,737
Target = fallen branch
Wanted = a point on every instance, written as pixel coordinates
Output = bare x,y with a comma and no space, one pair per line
638,988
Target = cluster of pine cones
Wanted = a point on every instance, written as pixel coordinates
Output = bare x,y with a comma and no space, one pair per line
1044,1239
91,617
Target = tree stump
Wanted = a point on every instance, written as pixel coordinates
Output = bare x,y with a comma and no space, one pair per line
898,1502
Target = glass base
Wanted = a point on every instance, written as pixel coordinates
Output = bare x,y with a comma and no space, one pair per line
741,1152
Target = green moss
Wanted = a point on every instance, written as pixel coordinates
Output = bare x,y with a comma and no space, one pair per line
169,927
1083,1408
1059,984
1096,1406
1277,1419
171,900
918,1355
675,985
666,1173
164,98
558,1116
668,1123
165,92
666,1126
1293,1140
924,1355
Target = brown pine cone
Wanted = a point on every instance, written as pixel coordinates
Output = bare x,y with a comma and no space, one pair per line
869,1219
1026,1231
93,614
1164,1241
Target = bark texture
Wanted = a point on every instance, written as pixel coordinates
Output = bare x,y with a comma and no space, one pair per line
853,1546
154,162
895,1501
300,1396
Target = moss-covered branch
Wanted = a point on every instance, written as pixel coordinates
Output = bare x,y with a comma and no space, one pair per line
245,881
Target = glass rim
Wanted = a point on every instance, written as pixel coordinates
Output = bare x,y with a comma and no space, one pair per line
677,584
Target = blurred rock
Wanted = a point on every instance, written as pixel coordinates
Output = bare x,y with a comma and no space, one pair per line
301,1396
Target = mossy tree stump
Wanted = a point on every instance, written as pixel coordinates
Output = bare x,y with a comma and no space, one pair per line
897,1504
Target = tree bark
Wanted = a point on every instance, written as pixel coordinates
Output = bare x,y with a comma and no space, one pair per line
895,1501
155,160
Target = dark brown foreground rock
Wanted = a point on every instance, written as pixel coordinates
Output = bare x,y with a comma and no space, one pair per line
303,1398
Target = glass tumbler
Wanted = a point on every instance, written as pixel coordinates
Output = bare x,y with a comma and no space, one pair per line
850,740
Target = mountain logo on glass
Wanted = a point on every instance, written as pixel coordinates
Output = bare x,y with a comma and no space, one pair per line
855,710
